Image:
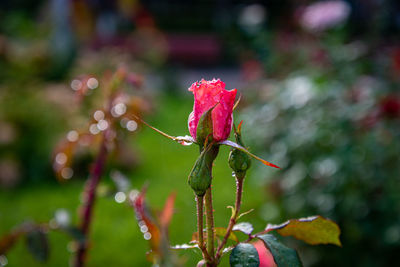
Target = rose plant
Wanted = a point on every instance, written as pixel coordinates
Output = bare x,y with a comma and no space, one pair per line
210,124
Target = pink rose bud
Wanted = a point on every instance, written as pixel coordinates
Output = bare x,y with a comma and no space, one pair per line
208,94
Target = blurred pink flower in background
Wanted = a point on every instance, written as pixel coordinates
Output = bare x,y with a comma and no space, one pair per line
324,15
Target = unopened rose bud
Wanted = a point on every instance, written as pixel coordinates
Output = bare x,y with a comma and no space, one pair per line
239,161
209,94
200,176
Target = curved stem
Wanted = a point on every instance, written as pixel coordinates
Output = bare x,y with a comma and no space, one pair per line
210,224
232,221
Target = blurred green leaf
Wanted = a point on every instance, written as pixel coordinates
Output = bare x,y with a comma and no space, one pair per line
38,245
283,256
244,255
312,230
75,233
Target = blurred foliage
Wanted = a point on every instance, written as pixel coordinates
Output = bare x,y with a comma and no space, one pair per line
332,123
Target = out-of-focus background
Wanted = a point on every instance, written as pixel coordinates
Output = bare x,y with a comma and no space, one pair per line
320,98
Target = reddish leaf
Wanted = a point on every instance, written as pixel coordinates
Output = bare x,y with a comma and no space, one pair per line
8,241
166,214
143,215
239,128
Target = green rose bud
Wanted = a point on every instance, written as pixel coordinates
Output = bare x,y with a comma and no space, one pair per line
201,174
238,160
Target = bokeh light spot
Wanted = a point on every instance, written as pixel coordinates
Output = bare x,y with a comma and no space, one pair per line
120,197
73,136
76,85
131,125
61,158
92,83
67,173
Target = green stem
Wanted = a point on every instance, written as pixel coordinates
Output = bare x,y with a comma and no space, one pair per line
199,204
232,221
200,214
210,224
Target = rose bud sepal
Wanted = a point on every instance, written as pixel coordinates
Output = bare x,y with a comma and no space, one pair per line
204,132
